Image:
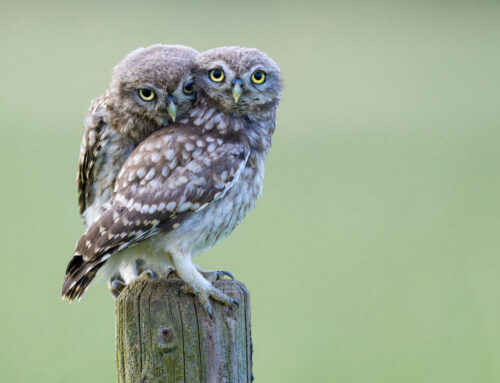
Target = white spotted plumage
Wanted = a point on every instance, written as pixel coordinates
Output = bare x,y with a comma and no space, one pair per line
208,176
116,123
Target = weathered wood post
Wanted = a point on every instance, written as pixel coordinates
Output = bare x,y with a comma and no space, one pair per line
164,337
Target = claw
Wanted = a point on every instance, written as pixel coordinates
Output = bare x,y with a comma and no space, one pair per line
204,299
185,289
208,306
218,295
213,276
204,296
226,274
147,274
116,285
172,274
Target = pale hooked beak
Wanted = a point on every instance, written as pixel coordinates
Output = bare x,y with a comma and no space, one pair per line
172,107
237,89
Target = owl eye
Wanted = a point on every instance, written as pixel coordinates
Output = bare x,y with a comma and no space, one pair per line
146,94
188,88
258,77
216,75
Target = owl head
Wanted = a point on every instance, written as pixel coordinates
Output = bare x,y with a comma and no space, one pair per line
239,81
151,87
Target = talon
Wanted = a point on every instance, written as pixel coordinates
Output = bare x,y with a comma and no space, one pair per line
227,274
204,299
213,276
147,274
216,295
235,302
208,307
205,295
185,289
209,310
172,274
116,285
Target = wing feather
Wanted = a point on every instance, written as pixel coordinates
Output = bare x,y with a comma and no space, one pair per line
170,176
89,151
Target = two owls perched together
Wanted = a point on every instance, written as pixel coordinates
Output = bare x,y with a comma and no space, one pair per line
171,161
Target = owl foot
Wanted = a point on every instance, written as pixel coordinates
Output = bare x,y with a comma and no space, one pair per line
147,274
116,285
215,275
205,295
172,274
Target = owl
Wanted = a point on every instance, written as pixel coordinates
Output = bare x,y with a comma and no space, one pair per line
150,88
187,186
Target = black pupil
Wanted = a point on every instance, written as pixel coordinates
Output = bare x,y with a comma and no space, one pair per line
258,76
146,93
188,88
217,73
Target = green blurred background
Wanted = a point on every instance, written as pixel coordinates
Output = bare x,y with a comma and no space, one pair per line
373,254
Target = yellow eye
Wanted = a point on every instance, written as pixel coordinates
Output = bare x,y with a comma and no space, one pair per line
258,77
216,75
188,88
146,94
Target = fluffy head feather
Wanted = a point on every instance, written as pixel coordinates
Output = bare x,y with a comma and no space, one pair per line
191,183
238,65
163,69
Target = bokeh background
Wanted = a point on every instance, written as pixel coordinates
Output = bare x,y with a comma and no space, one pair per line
373,254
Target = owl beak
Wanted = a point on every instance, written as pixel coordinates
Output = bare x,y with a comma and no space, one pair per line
237,89
171,108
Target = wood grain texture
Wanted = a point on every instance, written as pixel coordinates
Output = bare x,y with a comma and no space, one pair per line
164,337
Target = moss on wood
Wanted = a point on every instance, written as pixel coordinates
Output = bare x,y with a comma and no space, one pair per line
164,337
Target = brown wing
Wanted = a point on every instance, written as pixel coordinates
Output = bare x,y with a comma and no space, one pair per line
167,178
89,150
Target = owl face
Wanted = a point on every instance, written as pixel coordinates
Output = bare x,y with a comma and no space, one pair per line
238,80
152,87
160,101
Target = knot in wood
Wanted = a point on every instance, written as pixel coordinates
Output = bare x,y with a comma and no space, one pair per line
229,311
166,337
165,334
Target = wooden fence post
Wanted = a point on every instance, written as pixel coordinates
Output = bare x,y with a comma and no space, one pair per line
164,337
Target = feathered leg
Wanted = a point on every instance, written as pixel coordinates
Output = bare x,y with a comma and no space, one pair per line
196,284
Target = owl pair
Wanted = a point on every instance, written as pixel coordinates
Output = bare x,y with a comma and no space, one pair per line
153,192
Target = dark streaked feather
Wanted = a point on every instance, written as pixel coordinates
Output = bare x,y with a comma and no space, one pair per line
89,151
79,275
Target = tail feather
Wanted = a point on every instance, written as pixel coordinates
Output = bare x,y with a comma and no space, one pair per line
92,250
79,275
107,235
